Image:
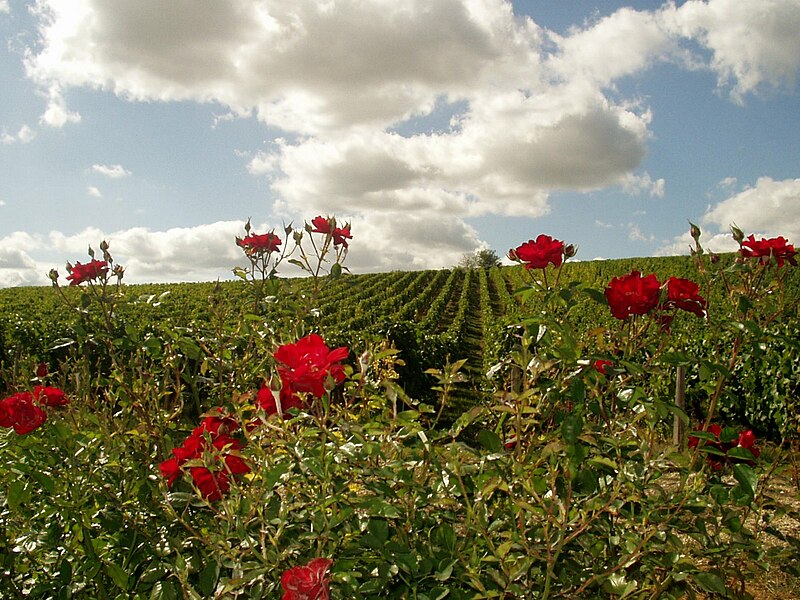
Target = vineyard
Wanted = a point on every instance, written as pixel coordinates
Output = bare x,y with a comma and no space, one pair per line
432,317
457,434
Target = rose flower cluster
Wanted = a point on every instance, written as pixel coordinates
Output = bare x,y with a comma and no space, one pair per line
633,294
211,455
746,440
23,411
765,250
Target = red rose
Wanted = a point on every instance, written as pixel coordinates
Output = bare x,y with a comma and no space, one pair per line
6,418
765,249
170,470
341,235
538,254
259,244
22,413
747,440
308,364
91,270
50,396
212,484
266,400
321,225
684,294
309,582
601,364
632,294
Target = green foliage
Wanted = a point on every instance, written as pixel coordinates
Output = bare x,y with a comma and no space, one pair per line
556,483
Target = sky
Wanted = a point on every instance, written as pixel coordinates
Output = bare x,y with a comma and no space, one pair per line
435,127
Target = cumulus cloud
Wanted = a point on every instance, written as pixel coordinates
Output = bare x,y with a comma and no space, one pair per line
754,45
4,7
768,209
113,171
522,112
57,114
24,135
209,252
94,192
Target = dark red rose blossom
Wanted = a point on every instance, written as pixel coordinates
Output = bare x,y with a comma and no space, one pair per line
322,225
746,440
91,270
170,470
632,294
685,295
539,253
222,452
308,364
601,364
260,244
766,249
6,418
50,396
309,582
341,235
22,412
266,400
41,370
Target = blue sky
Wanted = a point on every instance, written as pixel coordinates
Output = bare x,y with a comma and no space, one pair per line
436,126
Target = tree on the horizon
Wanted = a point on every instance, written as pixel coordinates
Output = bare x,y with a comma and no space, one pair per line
484,258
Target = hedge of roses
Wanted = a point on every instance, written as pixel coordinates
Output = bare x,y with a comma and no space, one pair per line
313,474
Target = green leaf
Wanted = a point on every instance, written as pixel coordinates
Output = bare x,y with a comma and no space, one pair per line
571,428
274,474
164,590
741,453
208,579
596,295
445,570
16,494
490,440
710,583
118,575
336,271
379,529
747,478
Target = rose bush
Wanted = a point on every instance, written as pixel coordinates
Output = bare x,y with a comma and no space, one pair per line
559,483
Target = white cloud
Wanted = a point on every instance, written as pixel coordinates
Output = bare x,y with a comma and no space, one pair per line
209,252
768,209
754,45
113,171
57,114
620,44
532,112
4,7
24,135
637,184
94,192
635,234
